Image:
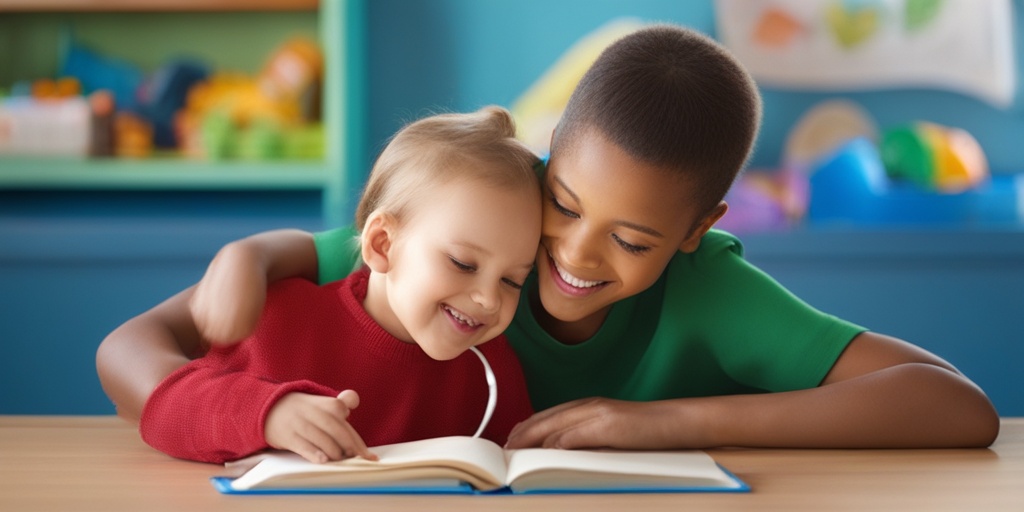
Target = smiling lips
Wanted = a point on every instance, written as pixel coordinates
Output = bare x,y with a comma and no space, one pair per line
571,284
461,321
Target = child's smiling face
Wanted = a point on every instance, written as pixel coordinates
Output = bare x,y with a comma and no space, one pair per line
611,224
457,265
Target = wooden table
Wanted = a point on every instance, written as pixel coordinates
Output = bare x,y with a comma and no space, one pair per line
83,463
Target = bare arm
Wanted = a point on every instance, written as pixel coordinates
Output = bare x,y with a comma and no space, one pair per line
136,356
229,299
139,354
882,393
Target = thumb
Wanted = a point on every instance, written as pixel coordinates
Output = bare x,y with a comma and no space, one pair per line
350,398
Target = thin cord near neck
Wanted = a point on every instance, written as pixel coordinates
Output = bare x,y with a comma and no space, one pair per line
492,391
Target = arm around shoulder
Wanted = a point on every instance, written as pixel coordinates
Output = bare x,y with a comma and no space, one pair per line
229,298
134,358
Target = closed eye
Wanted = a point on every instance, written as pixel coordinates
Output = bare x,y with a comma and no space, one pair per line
513,284
463,267
561,209
630,248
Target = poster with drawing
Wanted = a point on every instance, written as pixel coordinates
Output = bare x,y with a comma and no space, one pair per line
961,45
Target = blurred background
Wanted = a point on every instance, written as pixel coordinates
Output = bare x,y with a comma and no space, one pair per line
136,138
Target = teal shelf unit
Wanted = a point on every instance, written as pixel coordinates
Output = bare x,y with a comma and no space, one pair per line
337,24
85,244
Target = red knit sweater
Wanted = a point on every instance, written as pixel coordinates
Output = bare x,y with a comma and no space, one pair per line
320,340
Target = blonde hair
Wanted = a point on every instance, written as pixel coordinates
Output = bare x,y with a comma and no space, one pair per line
441,148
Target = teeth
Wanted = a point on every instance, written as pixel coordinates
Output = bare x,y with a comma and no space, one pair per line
460,317
573,280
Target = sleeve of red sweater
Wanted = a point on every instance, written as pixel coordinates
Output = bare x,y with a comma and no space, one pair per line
214,408
210,414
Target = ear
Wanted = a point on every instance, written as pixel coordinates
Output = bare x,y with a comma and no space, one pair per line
692,241
376,240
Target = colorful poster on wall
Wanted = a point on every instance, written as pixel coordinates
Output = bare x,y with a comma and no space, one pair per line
960,45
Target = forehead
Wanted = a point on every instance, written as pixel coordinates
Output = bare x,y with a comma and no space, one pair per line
610,183
472,211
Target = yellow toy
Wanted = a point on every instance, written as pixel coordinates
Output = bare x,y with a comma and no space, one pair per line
220,113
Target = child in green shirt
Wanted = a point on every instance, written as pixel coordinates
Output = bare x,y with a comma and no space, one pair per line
641,327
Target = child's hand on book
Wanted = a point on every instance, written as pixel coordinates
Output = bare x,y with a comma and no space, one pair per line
316,427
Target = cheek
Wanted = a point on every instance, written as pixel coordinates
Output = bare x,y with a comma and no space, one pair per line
421,279
638,274
508,311
552,222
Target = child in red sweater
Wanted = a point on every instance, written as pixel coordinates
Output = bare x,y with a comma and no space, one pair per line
450,227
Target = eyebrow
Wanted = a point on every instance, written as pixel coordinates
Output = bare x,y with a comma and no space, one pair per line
470,245
626,224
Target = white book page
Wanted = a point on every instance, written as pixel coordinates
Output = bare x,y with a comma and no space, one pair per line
413,459
578,469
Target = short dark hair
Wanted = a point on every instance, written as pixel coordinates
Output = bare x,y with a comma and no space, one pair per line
673,98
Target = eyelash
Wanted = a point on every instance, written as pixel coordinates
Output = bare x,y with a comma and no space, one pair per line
628,247
462,267
563,210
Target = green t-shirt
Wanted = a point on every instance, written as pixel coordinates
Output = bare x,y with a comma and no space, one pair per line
712,324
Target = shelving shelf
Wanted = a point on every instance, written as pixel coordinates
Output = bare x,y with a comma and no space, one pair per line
164,173
33,24
155,5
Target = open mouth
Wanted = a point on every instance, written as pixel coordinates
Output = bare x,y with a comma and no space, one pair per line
460,320
571,284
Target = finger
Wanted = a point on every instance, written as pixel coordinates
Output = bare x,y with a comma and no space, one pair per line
350,398
348,442
357,445
322,439
536,429
308,451
585,434
342,433
540,417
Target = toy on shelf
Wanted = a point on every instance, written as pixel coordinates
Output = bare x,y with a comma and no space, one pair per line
229,115
839,168
98,72
771,200
100,106
102,128
163,94
53,127
133,136
934,157
853,186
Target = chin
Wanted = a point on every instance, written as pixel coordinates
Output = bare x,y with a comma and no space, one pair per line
442,354
562,312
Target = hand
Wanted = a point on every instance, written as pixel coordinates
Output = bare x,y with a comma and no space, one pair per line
229,299
316,427
608,423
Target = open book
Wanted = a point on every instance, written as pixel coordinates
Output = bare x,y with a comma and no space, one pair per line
466,465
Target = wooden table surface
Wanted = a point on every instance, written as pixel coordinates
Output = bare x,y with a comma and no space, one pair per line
84,463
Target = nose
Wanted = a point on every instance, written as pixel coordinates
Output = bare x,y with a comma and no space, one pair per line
487,297
579,248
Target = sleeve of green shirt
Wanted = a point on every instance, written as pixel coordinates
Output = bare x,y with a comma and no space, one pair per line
761,334
337,253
